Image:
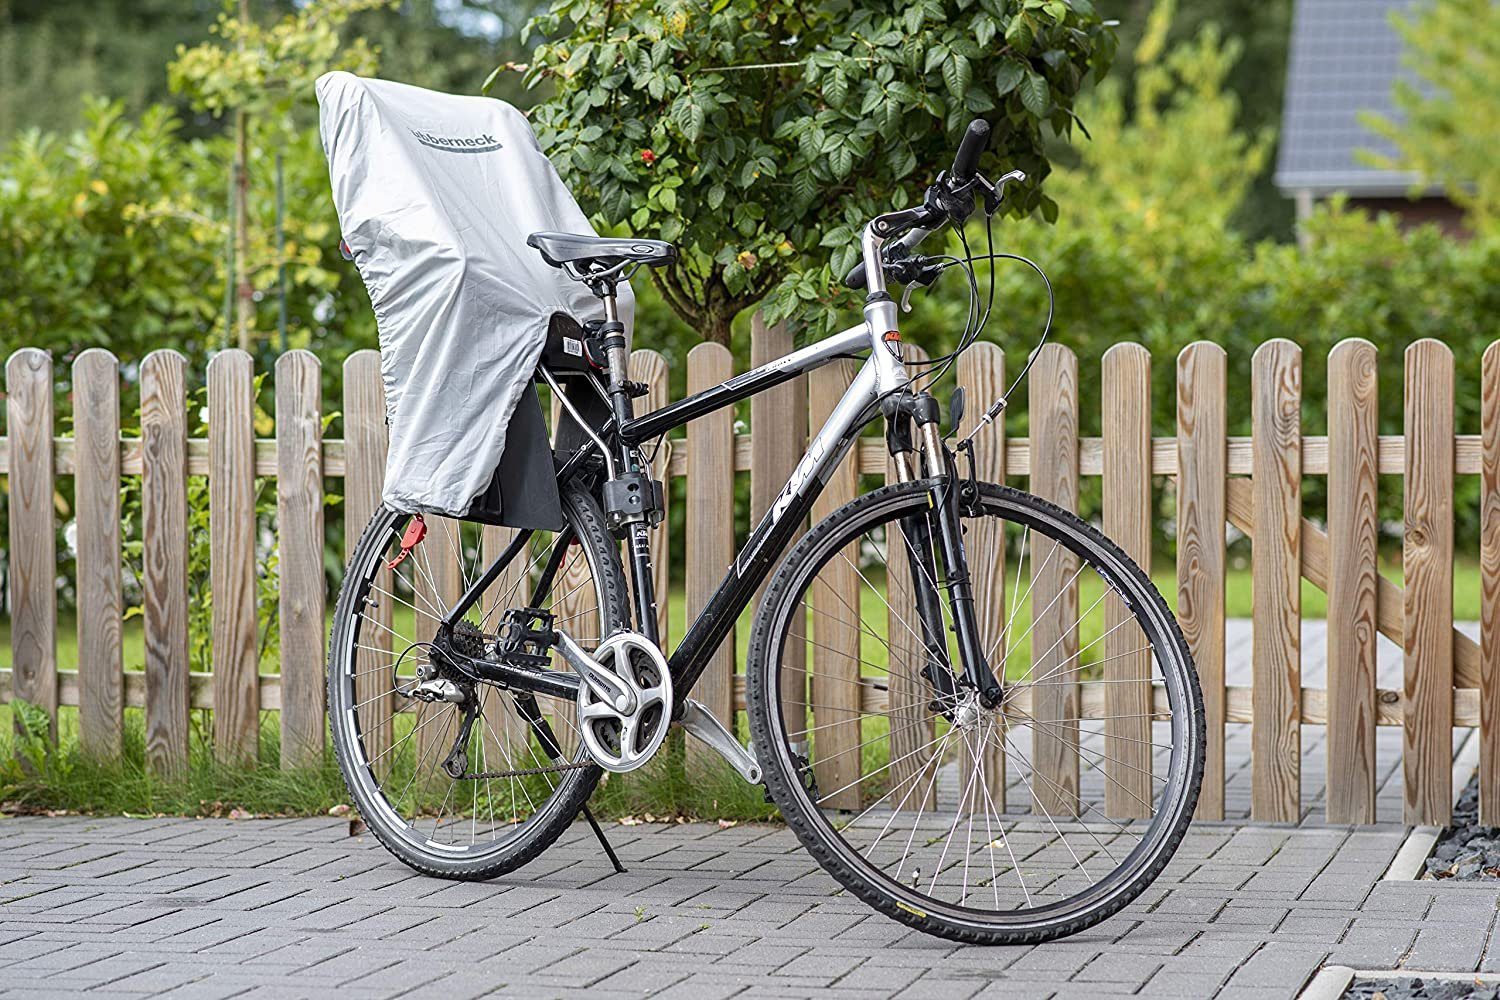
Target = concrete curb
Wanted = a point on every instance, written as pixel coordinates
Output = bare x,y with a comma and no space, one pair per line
1329,984
1407,864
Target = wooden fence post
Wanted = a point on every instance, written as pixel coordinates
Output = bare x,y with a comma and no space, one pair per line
981,373
778,439
101,680
299,507
1128,790
907,692
33,532
1353,531
164,534
650,369
365,442
1427,561
1489,572
709,545
1053,390
1276,733
1202,459
231,520
835,682
503,733
437,579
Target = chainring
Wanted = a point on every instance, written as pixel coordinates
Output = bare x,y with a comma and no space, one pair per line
623,741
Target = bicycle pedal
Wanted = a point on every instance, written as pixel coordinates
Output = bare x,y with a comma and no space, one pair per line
526,637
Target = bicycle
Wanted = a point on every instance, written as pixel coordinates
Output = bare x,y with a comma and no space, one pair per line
491,750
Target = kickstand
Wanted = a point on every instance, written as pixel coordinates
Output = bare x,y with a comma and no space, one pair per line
614,858
539,725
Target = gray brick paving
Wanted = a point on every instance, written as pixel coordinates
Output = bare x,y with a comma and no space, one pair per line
218,908
291,908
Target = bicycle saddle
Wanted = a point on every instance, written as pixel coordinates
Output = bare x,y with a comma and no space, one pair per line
599,252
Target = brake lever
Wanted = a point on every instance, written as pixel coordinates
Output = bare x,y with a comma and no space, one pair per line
914,271
994,193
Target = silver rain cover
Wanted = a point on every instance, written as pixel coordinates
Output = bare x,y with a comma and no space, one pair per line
436,195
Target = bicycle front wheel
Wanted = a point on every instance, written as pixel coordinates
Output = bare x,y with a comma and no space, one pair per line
1006,824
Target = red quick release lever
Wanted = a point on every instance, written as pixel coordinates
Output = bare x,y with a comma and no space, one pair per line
415,532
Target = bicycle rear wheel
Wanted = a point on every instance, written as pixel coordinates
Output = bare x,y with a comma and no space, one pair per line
1009,824
513,786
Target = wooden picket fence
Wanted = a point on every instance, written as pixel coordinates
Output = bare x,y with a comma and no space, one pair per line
1252,483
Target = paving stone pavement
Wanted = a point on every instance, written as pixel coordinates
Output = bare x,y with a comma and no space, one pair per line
298,908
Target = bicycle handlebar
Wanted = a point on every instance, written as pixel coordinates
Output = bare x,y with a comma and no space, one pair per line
915,224
976,140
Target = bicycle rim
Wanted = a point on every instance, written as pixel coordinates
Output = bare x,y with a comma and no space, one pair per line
1020,822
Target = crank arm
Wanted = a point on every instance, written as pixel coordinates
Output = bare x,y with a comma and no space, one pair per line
601,680
704,725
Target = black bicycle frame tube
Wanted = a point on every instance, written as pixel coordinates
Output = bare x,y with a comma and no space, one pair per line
489,576
847,344
752,565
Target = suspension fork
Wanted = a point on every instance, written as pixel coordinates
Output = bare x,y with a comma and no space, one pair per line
921,559
946,516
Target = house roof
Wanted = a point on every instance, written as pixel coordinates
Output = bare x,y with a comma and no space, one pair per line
1344,57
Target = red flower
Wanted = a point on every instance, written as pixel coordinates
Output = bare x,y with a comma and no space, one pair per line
648,157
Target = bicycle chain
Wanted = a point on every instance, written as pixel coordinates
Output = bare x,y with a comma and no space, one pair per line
525,772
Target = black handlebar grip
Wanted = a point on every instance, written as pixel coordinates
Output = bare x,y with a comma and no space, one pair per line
976,140
855,279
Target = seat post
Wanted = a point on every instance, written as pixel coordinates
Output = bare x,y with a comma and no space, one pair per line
612,335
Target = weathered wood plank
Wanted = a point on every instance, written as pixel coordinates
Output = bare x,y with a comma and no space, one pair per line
981,372
1389,596
1427,561
33,531
873,701
575,602
503,731
1202,373
1353,531
164,577
870,454
778,421
365,442
650,369
834,688
908,693
1128,510
1276,737
299,509
1053,406
709,546
436,576
1489,595
96,422
231,521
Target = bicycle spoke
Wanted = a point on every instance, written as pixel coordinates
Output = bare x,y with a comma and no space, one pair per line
459,816
929,765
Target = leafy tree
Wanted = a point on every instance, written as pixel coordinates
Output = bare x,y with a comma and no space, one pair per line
1453,116
760,134
1262,30
113,236
265,72
53,52
448,45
